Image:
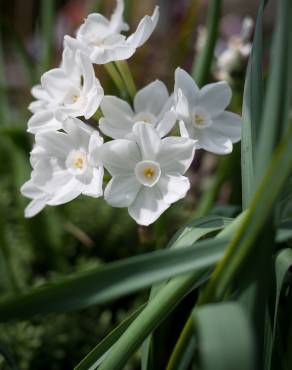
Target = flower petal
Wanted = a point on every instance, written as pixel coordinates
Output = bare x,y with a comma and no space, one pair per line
148,205
117,111
121,191
173,187
120,156
166,124
176,154
215,97
227,124
186,83
151,98
109,129
43,121
94,188
210,141
35,206
71,190
148,140
144,29
110,53
56,144
117,23
182,107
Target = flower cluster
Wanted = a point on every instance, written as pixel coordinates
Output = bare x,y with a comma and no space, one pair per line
147,167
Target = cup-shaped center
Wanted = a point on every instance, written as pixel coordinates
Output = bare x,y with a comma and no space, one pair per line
147,172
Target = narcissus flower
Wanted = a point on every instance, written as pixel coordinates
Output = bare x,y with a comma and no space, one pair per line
102,41
65,165
69,91
147,172
202,114
152,106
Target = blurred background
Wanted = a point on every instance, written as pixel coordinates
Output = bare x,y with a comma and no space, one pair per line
87,232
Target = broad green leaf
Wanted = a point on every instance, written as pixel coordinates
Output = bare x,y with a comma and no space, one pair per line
187,235
158,308
255,218
224,337
112,281
94,357
283,263
252,109
201,68
275,114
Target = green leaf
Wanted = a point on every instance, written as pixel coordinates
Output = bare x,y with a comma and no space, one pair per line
94,357
252,109
254,220
158,309
275,115
187,235
201,68
112,281
283,263
224,337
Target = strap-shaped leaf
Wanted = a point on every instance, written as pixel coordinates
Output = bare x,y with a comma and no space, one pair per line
112,281
283,263
224,337
252,108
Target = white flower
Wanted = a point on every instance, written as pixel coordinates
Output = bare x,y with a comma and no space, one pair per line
147,173
152,105
237,51
65,165
202,116
102,41
72,90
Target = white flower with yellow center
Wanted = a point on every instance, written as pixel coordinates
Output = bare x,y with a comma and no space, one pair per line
69,91
101,39
202,114
147,172
152,106
65,165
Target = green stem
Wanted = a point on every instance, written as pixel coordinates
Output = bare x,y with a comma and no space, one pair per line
201,68
115,76
127,77
47,18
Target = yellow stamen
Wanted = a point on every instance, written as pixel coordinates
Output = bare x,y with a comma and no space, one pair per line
75,98
78,163
148,172
199,119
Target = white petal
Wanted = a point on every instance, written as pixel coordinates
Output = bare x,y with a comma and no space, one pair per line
186,83
144,29
166,124
56,144
151,98
30,190
227,124
213,143
71,190
93,100
94,188
176,154
148,140
117,23
56,83
117,111
182,107
120,156
43,121
215,97
107,54
114,131
39,93
147,206
35,206
94,148
121,191
173,187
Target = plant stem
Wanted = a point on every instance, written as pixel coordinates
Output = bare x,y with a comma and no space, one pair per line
201,68
127,77
47,18
115,76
